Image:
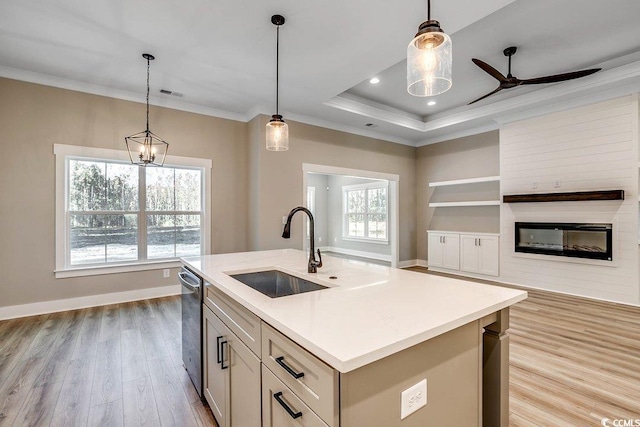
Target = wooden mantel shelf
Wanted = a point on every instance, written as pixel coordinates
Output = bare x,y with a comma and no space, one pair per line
578,196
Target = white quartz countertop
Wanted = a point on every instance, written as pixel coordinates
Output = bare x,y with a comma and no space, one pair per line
369,312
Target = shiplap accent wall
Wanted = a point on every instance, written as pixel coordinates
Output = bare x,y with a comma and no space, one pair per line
588,148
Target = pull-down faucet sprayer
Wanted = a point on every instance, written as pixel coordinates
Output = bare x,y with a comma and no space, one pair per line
286,233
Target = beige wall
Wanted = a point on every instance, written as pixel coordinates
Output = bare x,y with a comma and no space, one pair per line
280,178
251,188
33,118
469,157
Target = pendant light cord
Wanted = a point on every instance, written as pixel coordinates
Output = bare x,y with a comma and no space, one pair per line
148,95
428,10
277,68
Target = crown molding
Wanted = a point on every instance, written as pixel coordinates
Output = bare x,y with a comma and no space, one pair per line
58,82
618,81
62,83
460,134
348,129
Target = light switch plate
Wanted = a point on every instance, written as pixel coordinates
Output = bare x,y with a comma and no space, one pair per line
166,273
413,398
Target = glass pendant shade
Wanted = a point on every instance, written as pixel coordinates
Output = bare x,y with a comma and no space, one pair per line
429,61
146,149
277,134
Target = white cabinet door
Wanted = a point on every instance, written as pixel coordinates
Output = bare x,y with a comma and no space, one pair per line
216,377
435,251
232,375
469,259
489,253
451,251
479,254
244,384
444,250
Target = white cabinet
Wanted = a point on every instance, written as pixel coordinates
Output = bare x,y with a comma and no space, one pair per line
444,250
232,375
476,253
479,254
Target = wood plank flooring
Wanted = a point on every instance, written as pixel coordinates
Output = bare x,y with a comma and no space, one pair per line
574,362
117,365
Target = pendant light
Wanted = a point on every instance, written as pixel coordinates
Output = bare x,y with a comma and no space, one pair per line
429,59
277,129
146,148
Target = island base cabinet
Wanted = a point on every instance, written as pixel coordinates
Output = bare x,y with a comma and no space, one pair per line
282,408
232,376
371,395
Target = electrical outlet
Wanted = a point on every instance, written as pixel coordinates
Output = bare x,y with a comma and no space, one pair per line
557,184
284,220
335,240
413,398
319,239
534,186
166,273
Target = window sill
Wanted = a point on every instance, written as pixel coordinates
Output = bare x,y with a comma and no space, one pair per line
365,240
116,268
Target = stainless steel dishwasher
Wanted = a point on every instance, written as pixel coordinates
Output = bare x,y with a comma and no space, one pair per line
192,296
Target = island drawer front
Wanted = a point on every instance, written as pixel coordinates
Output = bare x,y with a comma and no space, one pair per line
318,387
241,321
273,412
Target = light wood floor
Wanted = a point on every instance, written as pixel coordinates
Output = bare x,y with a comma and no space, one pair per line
103,366
573,362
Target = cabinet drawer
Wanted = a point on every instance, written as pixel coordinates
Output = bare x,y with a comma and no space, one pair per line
241,321
316,383
275,395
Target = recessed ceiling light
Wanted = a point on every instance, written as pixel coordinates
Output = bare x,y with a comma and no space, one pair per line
430,103
374,81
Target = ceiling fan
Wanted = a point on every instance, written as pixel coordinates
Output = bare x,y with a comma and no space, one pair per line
510,81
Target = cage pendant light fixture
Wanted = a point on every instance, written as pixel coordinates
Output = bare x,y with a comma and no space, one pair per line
277,129
146,148
429,59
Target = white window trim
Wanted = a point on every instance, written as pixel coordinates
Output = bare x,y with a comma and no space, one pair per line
62,152
345,228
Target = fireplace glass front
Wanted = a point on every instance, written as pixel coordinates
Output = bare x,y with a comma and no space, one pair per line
592,241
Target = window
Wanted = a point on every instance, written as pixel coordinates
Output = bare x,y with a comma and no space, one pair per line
111,213
365,212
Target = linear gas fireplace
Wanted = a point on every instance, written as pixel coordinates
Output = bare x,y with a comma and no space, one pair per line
592,241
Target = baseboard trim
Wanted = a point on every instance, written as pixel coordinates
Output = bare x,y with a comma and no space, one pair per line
44,307
361,254
412,263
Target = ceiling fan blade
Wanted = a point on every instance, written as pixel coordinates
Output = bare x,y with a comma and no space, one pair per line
489,94
490,70
560,77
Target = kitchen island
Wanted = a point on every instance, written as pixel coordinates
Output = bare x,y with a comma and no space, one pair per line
373,333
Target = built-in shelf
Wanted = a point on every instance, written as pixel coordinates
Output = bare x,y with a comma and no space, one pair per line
578,196
465,181
473,203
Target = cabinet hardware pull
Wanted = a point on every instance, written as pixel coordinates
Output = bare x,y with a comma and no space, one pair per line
278,397
479,242
443,239
219,360
222,354
294,374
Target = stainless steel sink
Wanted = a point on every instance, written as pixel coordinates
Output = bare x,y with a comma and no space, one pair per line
276,284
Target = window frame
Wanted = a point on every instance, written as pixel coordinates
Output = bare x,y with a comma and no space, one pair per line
366,213
63,153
